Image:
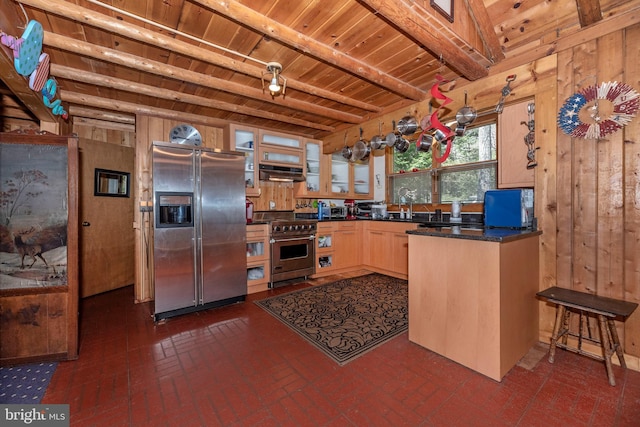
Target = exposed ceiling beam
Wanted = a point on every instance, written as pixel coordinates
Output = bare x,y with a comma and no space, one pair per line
431,34
249,17
108,116
170,71
88,17
588,12
156,92
485,28
130,107
103,124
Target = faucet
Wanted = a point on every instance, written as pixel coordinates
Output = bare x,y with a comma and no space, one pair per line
405,193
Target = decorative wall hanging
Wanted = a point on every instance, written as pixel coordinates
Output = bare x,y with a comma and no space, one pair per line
624,100
29,60
530,138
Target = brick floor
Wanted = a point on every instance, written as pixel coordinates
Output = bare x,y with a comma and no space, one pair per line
238,366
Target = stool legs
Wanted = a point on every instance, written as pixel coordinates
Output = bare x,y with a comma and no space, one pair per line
560,314
616,342
606,347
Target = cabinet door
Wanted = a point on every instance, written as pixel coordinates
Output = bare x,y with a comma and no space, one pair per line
362,172
380,251
512,151
244,140
280,149
347,249
341,183
400,256
314,185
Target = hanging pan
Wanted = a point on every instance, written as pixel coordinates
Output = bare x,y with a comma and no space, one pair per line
346,151
361,149
377,142
407,125
393,136
466,115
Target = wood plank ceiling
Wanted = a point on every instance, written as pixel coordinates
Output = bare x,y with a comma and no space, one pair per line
345,61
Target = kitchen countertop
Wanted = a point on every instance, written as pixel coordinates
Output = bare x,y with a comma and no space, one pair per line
501,235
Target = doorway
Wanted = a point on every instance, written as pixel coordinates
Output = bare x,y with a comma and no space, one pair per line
107,247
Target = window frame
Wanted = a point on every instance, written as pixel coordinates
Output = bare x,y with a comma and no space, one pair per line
436,167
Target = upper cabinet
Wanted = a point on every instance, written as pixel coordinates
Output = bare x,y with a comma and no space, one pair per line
280,149
244,139
315,184
512,150
333,176
350,179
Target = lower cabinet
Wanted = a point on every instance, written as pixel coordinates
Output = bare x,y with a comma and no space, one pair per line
477,305
386,247
258,258
338,246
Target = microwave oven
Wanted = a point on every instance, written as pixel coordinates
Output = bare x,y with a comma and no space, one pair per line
508,208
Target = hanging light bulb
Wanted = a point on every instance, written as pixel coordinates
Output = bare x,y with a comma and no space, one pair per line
275,87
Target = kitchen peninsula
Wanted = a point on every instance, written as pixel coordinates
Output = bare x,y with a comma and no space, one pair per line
472,295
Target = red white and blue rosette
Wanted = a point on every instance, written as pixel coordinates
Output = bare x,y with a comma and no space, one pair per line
625,101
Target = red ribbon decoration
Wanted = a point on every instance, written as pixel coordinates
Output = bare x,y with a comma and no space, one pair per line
435,122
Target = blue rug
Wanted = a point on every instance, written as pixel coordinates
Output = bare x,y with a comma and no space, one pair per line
25,383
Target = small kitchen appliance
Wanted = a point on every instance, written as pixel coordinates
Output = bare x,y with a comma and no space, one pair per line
379,211
350,204
508,208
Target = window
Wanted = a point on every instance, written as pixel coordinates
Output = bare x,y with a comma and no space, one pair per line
467,173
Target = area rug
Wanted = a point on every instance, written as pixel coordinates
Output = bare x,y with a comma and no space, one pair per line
25,383
347,318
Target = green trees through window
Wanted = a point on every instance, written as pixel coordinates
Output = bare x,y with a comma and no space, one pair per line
467,173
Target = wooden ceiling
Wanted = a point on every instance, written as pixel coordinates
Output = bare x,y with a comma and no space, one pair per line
345,61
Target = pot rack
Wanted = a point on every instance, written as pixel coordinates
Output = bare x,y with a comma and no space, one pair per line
432,132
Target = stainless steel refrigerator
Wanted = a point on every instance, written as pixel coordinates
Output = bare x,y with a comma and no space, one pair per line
199,242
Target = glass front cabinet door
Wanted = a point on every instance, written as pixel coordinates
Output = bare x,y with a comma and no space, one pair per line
244,140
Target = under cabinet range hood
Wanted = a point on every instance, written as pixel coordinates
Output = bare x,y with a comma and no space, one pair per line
280,173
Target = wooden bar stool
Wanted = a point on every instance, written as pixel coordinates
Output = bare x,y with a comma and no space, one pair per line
605,309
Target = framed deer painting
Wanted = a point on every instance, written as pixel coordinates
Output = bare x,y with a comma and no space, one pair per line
38,247
34,205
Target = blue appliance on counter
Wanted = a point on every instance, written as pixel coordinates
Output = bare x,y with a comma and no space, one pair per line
508,208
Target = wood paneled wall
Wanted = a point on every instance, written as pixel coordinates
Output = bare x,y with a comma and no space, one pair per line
597,207
587,192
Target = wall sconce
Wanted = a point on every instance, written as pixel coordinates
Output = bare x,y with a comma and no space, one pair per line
277,83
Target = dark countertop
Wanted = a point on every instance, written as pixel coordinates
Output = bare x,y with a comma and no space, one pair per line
500,235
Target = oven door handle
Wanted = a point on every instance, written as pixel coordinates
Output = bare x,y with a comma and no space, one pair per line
312,237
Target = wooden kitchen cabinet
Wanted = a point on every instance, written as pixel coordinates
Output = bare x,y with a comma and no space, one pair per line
350,180
324,249
386,247
474,301
258,258
347,244
280,149
244,140
315,172
338,246
512,151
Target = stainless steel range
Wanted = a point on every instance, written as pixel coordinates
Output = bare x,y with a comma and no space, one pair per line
292,249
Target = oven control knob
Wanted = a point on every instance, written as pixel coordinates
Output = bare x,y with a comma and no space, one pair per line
276,228
303,227
296,227
286,228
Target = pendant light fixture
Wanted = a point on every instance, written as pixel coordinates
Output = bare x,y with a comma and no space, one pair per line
277,83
